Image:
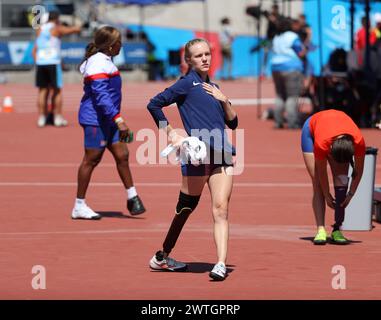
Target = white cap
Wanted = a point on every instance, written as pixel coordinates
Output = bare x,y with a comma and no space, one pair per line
377,17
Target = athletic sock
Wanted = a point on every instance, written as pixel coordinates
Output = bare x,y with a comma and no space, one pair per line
131,192
79,202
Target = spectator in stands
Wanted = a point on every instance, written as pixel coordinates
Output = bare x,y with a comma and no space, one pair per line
339,88
305,34
130,35
273,17
47,57
360,40
375,108
377,29
287,67
155,66
226,40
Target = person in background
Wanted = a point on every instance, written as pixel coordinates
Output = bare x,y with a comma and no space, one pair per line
273,19
375,107
377,29
305,31
305,35
360,40
287,68
47,57
226,40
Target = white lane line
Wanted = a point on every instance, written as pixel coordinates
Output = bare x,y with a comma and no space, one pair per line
159,184
151,184
81,232
236,229
242,102
69,165
72,184
137,165
134,165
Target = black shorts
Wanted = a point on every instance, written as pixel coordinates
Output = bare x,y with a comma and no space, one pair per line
49,76
213,161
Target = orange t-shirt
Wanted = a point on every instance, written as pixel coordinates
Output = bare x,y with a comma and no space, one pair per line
328,124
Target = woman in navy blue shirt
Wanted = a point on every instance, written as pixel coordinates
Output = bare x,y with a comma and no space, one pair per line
204,111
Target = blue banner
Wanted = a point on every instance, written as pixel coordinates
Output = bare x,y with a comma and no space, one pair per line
135,53
18,53
335,26
72,53
5,57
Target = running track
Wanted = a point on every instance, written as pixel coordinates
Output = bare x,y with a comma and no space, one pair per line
270,253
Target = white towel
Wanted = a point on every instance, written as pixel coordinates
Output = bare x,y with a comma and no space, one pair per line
192,150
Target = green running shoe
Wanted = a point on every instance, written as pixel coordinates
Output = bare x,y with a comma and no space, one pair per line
338,238
321,237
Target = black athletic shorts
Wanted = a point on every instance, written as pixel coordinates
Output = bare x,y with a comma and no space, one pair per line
49,76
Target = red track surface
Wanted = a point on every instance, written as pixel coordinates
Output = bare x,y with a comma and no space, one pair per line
270,254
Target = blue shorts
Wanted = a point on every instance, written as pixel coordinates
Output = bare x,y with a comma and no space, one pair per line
307,141
100,137
212,162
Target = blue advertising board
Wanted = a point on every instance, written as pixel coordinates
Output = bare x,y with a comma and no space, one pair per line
335,26
18,53
5,57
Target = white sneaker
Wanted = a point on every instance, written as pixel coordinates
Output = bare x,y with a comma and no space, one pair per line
219,272
84,212
59,121
168,264
41,121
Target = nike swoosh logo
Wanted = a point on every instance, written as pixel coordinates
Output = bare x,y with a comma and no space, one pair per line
196,83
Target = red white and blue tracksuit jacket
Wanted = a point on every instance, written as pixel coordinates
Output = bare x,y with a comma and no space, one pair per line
101,101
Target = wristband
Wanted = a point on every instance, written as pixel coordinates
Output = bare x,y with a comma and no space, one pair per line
130,137
350,193
118,119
